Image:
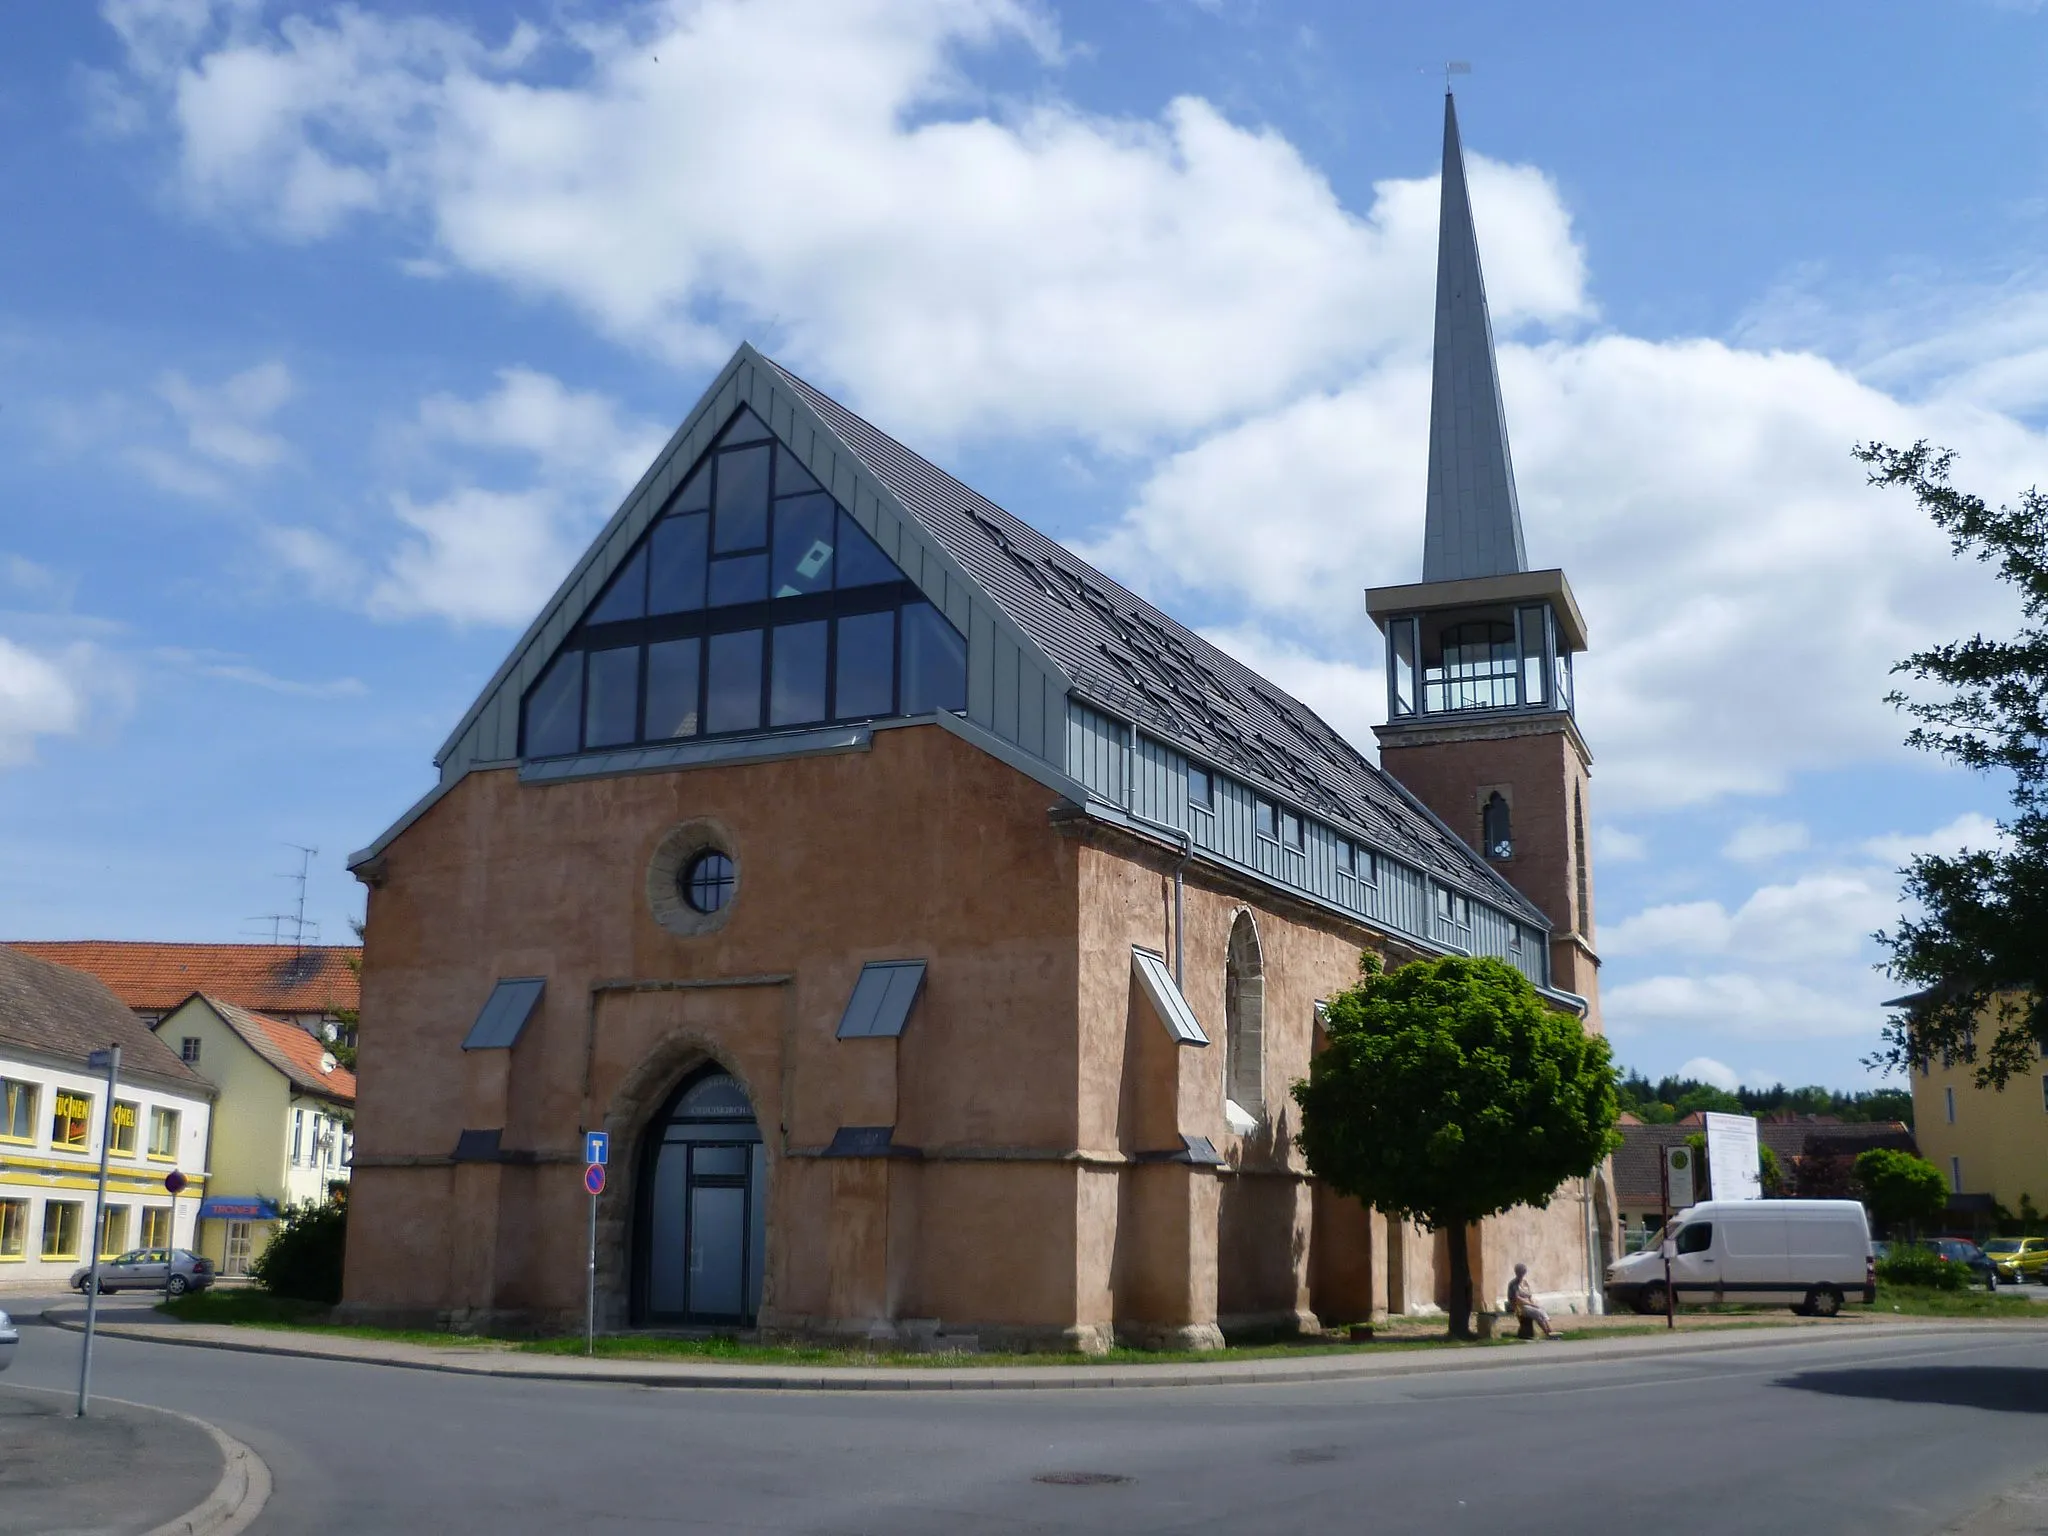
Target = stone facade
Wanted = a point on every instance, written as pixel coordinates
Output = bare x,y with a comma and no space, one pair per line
1039,1189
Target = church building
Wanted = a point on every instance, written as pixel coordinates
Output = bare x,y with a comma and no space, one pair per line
935,927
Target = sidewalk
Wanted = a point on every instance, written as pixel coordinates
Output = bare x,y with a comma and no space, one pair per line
487,1359
123,1468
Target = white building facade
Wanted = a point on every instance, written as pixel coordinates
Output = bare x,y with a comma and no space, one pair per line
55,1111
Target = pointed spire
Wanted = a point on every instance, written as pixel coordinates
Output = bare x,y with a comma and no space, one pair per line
1473,525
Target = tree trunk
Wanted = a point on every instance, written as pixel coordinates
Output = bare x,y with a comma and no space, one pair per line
1461,1280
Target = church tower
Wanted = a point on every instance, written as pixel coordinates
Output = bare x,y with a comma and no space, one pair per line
1479,652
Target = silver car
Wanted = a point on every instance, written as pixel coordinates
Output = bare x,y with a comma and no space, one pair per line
9,1337
175,1271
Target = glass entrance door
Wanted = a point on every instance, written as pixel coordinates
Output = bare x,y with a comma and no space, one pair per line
701,1220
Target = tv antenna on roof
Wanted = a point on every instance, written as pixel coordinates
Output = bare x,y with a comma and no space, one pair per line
295,919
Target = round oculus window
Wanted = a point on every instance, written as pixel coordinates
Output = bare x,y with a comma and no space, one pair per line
706,881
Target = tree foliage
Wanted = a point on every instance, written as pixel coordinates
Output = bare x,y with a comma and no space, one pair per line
304,1257
1975,948
1670,1099
1450,1091
1900,1189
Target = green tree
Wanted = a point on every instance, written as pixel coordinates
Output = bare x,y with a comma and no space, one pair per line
303,1259
1975,948
1900,1189
1449,1092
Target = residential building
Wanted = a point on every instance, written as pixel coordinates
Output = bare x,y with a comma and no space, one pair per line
313,985
1991,1144
283,1125
55,1109
934,926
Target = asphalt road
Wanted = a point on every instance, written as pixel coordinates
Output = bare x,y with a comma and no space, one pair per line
1839,1433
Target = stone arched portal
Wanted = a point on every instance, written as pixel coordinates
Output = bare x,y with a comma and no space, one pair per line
639,1107
701,1213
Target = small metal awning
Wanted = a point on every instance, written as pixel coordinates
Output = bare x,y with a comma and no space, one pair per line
867,1141
1173,1009
504,1014
882,999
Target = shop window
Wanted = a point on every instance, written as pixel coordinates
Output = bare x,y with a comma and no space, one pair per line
126,1116
113,1231
156,1227
17,1110
13,1229
62,1228
71,1123
163,1133
754,602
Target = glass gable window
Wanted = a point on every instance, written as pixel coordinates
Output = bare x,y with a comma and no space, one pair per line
755,601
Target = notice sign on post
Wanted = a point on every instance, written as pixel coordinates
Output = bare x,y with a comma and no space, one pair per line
597,1146
1732,1166
1678,1170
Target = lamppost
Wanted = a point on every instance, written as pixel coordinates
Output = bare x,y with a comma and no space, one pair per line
110,1058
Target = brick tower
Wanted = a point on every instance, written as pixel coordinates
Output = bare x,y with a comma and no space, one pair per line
1479,652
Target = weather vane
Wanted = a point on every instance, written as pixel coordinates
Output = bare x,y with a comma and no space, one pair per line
1454,67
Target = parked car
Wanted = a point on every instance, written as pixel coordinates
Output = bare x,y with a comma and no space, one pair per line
1958,1250
1810,1254
9,1337
2018,1258
175,1271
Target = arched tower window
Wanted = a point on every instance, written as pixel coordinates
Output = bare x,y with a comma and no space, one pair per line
1244,1028
1496,835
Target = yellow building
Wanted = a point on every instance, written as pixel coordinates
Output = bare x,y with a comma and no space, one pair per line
283,1126
1991,1143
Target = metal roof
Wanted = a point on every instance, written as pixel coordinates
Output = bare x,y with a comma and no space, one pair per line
882,999
1473,524
1123,654
502,1019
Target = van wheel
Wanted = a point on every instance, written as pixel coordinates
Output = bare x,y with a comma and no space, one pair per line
1651,1299
1821,1301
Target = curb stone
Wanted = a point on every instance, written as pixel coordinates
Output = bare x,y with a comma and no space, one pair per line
237,1499
1004,1378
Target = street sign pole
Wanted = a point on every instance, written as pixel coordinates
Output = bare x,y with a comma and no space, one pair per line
174,1181
596,1153
1664,1242
110,1058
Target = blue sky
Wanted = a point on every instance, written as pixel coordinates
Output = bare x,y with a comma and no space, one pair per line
328,335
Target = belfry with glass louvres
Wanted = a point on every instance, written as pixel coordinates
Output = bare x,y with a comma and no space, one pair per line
936,927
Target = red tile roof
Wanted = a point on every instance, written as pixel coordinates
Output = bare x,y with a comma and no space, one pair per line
155,978
290,1049
53,1008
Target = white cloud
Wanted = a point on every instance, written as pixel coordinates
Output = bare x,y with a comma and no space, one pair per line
1611,845
1740,1004
226,422
1707,1070
1967,831
1699,496
482,554
42,693
1820,916
1756,842
475,556
821,172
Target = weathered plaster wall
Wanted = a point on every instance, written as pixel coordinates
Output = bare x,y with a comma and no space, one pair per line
920,847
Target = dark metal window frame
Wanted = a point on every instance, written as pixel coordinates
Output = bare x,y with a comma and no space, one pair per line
762,616
718,884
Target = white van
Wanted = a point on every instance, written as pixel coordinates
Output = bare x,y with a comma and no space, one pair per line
1809,1254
